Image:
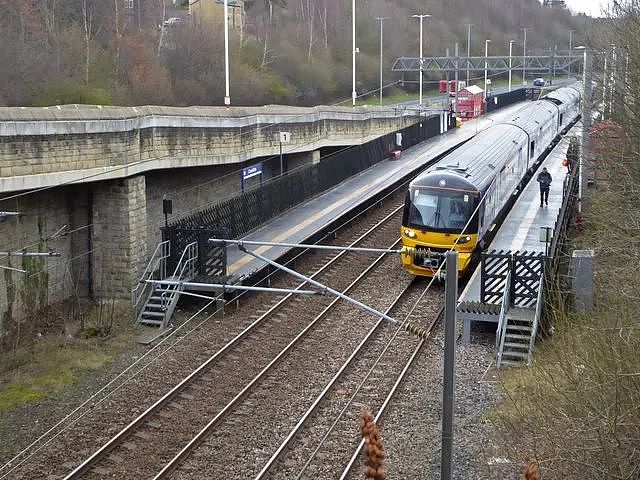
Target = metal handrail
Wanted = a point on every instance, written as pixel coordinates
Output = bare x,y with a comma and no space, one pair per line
157,262
191,253
501,331
536,319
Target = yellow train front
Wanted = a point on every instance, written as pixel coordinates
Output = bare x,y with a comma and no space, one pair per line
440,213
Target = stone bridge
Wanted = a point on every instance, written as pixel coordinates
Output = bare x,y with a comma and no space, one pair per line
103,172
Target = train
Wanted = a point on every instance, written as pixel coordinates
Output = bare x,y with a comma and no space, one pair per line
458,201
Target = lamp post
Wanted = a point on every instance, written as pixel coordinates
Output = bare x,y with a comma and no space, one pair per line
524,56
420,62
381,20
353,52
486,52
227,98
586,120
570,51
469,25
511,42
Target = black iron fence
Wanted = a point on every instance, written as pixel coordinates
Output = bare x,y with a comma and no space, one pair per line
236,216
526,269
502,100
211,259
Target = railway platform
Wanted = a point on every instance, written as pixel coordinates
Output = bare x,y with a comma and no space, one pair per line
305,220
520,245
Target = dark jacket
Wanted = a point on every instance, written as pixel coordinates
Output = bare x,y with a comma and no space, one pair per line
544,178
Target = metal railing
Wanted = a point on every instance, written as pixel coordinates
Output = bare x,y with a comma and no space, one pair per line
501,331
185,270
536,319
156,270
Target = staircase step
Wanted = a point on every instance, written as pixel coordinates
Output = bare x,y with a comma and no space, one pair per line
524,346
150,322
154,305
148,313
511,353
521,328
511,362
517,336
523,314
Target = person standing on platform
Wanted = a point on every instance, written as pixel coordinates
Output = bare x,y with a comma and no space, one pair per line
544,179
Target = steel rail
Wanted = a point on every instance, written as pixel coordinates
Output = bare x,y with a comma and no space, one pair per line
285,444
120,436
390,395
195,441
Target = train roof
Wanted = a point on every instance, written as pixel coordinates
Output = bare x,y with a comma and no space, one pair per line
473,165
566,95
532,116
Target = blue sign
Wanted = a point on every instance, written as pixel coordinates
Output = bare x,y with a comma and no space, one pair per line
252,171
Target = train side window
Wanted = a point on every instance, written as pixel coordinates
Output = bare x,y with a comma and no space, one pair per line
533,147
561,117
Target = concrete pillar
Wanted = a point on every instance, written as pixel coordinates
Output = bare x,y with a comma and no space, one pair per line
119,236
581,271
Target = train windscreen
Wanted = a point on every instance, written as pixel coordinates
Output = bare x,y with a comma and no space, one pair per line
443,211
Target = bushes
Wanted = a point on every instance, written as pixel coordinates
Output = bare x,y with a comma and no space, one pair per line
65,92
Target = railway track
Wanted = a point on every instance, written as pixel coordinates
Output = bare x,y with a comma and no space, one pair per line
64,445
367,380
150,440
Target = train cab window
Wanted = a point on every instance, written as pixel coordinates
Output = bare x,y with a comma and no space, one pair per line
561,118
440,211
533,148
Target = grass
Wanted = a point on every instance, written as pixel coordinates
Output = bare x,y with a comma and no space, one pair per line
49,364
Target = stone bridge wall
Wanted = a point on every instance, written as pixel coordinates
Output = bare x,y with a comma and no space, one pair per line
49,146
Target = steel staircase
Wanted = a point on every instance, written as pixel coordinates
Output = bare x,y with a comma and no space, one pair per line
517,329
160,298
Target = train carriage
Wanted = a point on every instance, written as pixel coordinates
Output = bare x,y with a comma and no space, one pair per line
457,202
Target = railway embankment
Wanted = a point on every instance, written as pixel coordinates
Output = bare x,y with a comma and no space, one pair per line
575,414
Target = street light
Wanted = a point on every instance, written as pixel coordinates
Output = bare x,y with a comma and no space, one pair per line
381,20
469,25
511,42
524,56
586,120
570,51
486,52
227,98
353,52
420,62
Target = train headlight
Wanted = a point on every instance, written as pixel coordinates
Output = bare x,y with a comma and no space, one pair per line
410,233
465,239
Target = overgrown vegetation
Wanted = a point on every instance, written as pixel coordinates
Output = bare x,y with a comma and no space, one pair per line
575,411
44,366
282,51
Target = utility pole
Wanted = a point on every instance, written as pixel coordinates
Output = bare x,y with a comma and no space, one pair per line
511,42
227,97
469,25
448,381
570,51
421,17
353,52
524,56
381,20
457,53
